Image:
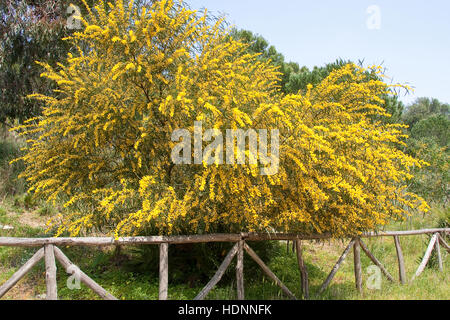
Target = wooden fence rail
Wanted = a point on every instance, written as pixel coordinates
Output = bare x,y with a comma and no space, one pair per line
50,252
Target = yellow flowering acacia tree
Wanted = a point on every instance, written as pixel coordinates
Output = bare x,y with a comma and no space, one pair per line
103,144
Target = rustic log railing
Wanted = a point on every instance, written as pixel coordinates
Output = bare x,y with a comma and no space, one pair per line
50,252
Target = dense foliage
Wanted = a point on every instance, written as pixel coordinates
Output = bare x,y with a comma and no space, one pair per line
29,31
429,128
32,30
104,143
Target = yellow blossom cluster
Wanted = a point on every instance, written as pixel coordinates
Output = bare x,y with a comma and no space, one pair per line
103,143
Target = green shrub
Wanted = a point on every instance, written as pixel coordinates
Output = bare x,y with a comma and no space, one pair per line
9,182
24,201
18,202
46,210
29,201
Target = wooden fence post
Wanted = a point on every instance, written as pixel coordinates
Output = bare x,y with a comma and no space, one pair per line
375,260
70,267
357,266
50,273
269,272
438,253
401,262
163,271
443,243
218,275
240,271
19,274
426,257
303,270
336,267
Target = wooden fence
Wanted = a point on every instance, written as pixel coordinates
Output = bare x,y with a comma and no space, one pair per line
50,252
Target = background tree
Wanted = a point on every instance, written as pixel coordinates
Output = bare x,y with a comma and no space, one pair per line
429,128
435,127
30,31
422,108
432,181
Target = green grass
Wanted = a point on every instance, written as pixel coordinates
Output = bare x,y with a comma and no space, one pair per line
114,274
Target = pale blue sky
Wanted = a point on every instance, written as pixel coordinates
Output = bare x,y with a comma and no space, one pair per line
412,42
